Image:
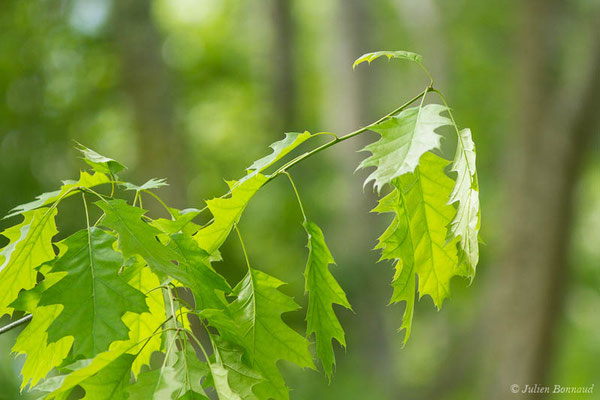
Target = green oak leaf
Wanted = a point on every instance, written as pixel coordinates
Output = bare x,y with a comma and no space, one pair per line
160,384
253,321
139,237
193,371
323,291
110,383
94,297
30,245
280,149
227,212
404,139
466,192
145,324
41,356
403,55
240,377
67,189
181,221
99,162
417,235
59,386
197,274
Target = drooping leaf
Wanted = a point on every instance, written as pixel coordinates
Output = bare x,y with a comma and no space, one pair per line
30,245
404,138
93,295
280,149
323,291
180,222
240,377
41,356
404,55
99,162
254,323
67,189
466,192
227,212
110,383
417,235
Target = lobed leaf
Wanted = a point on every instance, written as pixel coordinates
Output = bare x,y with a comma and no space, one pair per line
94,297
30,245
417,235
99,162
466,193
323,291
404,139
227,212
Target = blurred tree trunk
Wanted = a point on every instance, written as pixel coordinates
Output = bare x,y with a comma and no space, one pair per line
347,103
528,284
146,82
284,86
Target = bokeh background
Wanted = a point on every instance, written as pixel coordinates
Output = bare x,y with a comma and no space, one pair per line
195,90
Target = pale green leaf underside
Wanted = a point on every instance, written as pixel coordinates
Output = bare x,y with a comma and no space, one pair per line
323,291
466,193
404,139
417,235
403,55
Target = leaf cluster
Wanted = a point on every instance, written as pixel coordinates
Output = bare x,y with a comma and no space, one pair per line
107,297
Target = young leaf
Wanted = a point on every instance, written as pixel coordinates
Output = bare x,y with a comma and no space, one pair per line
197,274
60,386
323,291
67,189
143,325
280,149
241,377
33,340
30,245
404,138
417,235
193,371
227,212
254,322
93,295
466,222
404,55
100,163
110,383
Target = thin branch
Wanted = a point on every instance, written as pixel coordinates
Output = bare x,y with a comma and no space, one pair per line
15,324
